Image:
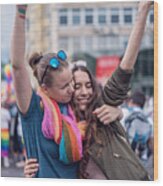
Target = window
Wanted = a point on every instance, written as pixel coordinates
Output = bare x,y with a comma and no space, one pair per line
125,41
147,64
88,43
128,15
101,15
63,18
114,15
63,43
46,32
76,44
102,42
76,16
46,10
114,42
89,16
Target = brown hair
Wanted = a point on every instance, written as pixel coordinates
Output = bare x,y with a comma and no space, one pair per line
138,98
39,62
95,97
91,136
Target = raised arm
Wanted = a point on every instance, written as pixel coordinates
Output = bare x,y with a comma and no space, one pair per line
20,74
136,35
117,87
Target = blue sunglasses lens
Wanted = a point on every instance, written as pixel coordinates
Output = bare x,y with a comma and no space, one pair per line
62,55
54,63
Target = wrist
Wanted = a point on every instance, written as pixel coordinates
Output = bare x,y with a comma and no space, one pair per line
21,11
144,6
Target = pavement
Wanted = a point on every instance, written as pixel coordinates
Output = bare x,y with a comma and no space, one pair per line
149,166
12,171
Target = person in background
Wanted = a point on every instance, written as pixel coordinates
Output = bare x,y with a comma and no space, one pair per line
18,146
138,128
5,134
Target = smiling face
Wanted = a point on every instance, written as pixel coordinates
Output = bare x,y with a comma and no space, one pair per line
62,88
83,89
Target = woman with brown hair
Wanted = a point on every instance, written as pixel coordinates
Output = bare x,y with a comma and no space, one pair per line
107,154
47,118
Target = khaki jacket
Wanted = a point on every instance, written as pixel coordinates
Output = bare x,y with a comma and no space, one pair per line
116,160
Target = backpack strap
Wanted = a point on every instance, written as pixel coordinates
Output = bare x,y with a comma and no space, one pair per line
135,115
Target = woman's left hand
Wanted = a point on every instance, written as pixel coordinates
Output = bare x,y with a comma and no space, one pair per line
31,167
107,114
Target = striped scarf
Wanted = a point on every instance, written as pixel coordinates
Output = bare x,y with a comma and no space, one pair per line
62,128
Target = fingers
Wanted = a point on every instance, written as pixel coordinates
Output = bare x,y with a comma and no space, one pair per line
99,110
106,119
31,160
31,167
102,111
30,176
102,114
107,114
120,115
30,172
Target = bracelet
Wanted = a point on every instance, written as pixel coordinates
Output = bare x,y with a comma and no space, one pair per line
22,11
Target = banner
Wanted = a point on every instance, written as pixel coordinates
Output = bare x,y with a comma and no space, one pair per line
105,66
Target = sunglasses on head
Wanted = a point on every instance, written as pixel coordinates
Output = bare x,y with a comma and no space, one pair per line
54,62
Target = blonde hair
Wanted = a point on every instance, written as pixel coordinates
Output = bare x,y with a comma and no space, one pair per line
39,62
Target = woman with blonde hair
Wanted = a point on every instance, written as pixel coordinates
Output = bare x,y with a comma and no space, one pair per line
50,130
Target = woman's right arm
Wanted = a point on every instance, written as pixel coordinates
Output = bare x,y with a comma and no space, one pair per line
21,78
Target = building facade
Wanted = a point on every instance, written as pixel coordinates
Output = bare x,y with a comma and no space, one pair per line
83,29
7,20
94,28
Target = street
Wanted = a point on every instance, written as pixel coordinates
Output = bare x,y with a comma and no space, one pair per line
12,171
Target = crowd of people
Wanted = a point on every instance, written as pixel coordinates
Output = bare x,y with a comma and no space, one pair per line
12,145
71,126
138,124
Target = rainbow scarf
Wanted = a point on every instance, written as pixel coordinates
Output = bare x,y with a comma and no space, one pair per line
62,128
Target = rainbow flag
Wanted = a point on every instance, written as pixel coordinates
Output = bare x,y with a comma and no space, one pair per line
4,142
